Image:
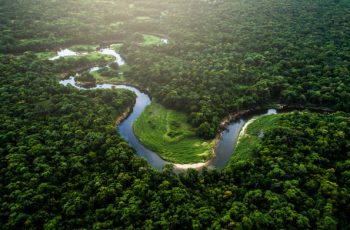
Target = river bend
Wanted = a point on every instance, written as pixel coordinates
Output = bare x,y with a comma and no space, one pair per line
223,150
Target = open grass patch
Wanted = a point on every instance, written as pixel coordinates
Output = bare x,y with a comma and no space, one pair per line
108,75
149,40
167,133
250,139
143,18
92,57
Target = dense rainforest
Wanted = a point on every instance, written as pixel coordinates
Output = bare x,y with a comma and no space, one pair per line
64,166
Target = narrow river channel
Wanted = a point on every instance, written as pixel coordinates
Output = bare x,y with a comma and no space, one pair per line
223,150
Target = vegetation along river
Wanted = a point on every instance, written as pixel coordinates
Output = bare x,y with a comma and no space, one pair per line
223,149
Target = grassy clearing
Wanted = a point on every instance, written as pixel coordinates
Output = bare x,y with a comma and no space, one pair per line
251,139
111,76
149,40
143,18
95,56
116,25
168,133
92,57
118,79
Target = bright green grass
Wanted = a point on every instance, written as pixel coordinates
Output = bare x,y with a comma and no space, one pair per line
120,79
167,133
149,40
92,57
142,18
83,48
252,137
115,25
115,79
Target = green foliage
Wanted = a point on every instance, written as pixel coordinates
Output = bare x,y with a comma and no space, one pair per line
86,79
137,37
84,48
143,18
54,139
112,75
168,134
250,138
63,166
226,56
205,130
151,40
73,64
114,66
91,57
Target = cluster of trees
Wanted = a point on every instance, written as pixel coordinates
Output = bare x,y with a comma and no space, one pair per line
109,72
231,55
63,165
86,79
41,25
224,56
52,141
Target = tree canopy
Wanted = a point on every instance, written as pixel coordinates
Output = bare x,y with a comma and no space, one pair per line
64,166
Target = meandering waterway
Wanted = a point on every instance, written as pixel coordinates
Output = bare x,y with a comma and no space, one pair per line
226,142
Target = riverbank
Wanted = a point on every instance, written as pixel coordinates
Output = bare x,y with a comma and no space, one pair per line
196,166
244,129
279,107
251,134
123,116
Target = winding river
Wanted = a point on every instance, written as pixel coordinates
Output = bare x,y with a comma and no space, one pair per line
223,150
